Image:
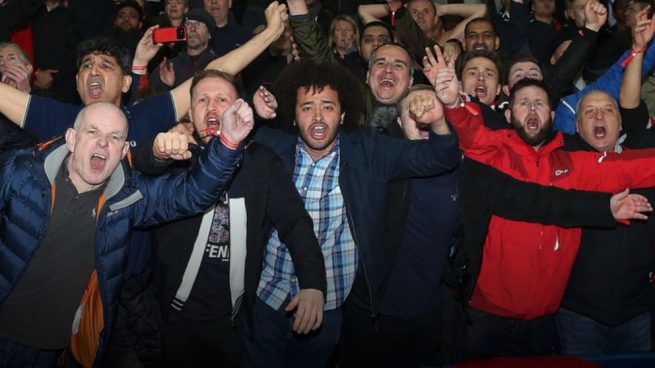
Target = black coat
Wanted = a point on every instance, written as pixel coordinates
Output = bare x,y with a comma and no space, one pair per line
271,199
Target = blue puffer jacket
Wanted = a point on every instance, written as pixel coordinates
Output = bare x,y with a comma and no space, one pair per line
26,179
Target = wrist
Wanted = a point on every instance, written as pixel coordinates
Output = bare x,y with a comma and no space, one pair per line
139,69
227,142
459,102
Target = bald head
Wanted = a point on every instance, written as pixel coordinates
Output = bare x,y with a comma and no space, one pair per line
97,142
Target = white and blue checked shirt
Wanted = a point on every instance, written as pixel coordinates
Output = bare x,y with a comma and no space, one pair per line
318,185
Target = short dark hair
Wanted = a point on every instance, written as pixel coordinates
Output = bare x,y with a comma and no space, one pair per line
479,20
377,23
132,4
212,73
468,56
525,58
106,46
308,74
528,82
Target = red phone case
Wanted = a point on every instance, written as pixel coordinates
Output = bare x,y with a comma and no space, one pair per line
169,34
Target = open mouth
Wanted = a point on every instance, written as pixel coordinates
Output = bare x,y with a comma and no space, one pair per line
532,125
212,126
387,82
95,90
481,92
600,132
318,131
98,162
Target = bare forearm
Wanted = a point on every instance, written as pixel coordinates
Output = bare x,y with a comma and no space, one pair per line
13,103
631,83
372,12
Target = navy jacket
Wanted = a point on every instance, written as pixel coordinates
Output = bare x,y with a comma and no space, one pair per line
26,179
369,161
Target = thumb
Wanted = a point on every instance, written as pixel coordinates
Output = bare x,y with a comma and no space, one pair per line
293,304
622,195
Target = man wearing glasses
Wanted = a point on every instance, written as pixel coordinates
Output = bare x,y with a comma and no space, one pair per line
171,73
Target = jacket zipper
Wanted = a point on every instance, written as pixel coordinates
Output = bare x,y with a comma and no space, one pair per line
374,314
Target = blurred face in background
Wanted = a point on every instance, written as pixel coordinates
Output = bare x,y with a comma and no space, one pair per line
175,9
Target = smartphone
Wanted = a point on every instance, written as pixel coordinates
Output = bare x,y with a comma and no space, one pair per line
169,34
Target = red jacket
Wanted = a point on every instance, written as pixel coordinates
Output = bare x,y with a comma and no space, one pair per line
526,266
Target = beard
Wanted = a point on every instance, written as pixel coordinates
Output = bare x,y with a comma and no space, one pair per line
533,139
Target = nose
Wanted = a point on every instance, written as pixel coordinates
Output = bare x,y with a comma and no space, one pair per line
102,141
318,116
94,69
599,114
213,105
481,76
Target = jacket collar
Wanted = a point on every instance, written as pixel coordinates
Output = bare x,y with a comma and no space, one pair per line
56,158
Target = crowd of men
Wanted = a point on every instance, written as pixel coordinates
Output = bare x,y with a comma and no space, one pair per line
324,183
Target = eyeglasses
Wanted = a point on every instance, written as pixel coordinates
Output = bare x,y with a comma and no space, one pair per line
193,24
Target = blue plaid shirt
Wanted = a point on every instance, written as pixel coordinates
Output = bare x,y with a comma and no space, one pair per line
318,185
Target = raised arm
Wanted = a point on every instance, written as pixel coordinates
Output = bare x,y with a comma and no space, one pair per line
13,103
642,33
236,60
308,35
466,11
372,12
562,74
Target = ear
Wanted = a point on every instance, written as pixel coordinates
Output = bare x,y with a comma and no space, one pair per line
508,115
399,121
127,82
498,88
411,82
367,75
230,4
343,115
126,149
70,139
552,116
577,125
506,90
497,44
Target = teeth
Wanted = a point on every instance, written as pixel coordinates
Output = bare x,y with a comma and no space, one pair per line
95,84
99,156
319,128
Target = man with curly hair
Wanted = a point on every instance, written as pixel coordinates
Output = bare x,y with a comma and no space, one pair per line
341,174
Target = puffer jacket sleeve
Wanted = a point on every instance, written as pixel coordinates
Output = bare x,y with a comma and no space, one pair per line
174,196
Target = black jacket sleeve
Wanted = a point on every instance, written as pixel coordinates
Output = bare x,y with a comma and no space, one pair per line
522,201
561,75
